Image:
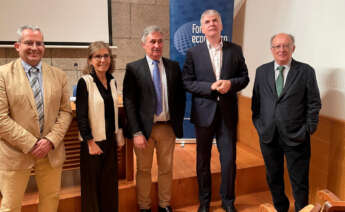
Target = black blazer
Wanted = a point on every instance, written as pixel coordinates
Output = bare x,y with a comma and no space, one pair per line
140,101
198,76
295,113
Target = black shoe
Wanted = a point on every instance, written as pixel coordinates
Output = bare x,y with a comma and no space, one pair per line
229,208
145,210
165,209
203,208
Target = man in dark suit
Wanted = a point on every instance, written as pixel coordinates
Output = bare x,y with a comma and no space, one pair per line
286,104
214,72
154,100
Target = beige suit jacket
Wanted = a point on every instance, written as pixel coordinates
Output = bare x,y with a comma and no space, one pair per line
19,125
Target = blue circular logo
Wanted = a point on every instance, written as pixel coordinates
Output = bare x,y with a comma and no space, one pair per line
187,36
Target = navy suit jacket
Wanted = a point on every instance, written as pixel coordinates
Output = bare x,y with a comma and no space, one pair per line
140,101
198,76
295,113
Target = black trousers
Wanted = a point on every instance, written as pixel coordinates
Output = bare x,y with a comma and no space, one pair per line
297,158
98,173
226,144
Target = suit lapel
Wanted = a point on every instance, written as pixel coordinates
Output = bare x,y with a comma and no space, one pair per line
168,75
205,55
226,54
271,79
47,88
290,77
147,75
26,83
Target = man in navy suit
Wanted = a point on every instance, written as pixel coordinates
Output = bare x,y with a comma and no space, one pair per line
154,100
286,104
214,72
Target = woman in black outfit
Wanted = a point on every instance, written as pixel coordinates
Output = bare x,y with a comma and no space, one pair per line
97,122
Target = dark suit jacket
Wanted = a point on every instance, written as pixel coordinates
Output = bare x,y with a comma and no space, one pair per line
140,101
295,113
198,76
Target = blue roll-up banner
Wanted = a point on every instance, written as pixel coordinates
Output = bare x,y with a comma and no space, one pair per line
185,32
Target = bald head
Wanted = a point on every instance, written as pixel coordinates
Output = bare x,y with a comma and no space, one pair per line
292,38
282,47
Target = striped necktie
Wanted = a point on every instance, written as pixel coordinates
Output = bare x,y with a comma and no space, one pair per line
36,89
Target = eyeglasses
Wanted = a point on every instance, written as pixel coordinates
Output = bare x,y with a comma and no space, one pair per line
284,46
31,43
99,57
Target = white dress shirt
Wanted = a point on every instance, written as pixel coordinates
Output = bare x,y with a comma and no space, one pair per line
216,55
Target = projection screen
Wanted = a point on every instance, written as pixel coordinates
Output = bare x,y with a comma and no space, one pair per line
63,22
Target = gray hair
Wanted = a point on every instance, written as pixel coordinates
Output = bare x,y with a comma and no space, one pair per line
291,37
210,12
22,28
150,29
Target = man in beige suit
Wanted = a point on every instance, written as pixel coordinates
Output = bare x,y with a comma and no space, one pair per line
35,114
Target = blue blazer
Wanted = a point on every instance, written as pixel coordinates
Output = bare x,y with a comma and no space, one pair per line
198,76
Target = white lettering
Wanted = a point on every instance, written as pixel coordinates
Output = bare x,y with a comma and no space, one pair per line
196,28
224,37
198,39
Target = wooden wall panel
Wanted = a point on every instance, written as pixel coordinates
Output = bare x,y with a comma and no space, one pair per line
336,179
246,131
318,174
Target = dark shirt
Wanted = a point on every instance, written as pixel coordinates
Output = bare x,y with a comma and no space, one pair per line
82,107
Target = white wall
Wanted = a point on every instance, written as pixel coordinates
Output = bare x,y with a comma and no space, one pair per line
319,30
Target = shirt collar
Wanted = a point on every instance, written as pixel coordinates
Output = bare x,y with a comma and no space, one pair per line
27,67
287,66
149,60
209,46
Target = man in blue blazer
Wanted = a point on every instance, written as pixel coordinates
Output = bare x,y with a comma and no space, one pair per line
154,100
214,72
286,104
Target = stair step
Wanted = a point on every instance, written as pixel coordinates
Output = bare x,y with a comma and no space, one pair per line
244,203
250,179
